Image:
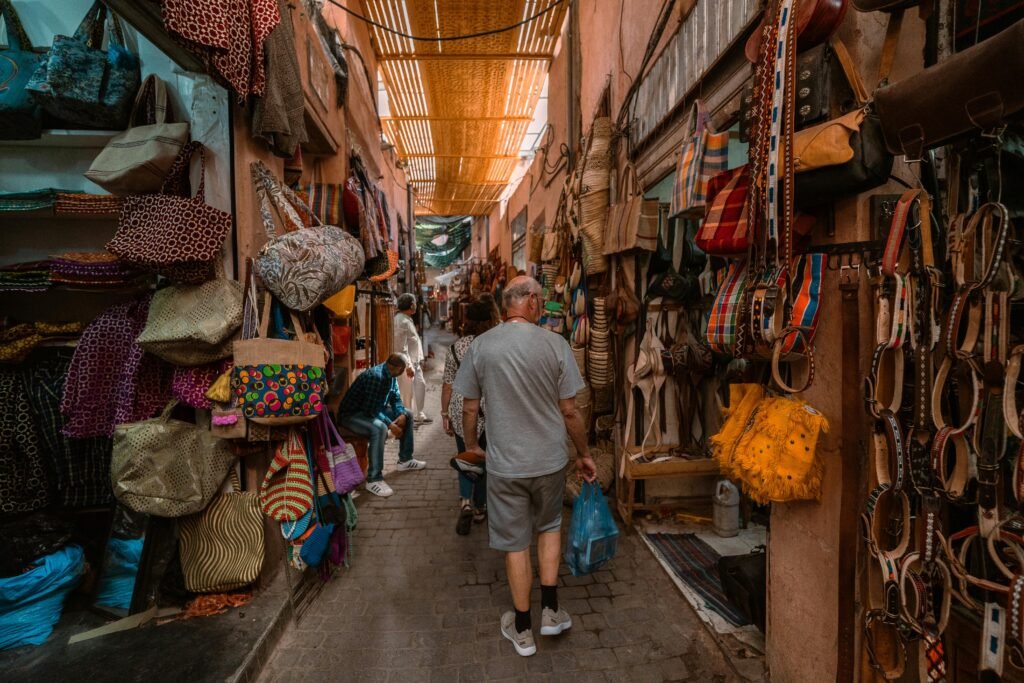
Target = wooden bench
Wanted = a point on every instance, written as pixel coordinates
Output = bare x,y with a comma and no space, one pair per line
629,473
360,443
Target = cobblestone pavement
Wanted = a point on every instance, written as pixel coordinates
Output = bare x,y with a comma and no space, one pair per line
421,603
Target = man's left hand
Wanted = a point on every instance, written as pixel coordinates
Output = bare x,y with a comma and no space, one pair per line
586,468
409,372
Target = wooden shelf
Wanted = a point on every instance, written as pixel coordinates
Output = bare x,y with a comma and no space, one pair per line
51,215
628,473
66,137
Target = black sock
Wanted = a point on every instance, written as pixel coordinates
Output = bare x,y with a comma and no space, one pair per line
549,597
523,622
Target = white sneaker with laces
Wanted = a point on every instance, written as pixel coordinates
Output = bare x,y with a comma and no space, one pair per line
422,418
411,464
379,488
552,623
522,642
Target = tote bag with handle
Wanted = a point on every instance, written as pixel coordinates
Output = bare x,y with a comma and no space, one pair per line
305,266
20,116
705,154
138,160
286,493
276,381
222,547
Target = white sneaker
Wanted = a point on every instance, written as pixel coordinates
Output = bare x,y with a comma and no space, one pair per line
552,623
422,418
379,488
522,642
411,464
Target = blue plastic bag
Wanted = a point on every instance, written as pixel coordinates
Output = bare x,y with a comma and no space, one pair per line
31,603
120,569
593,534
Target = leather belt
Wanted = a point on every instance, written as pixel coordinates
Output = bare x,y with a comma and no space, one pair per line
1014,417
955,484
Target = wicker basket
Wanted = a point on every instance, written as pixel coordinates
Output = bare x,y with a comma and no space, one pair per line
580,354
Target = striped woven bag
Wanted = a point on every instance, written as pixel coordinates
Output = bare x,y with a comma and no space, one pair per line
287,489
222,547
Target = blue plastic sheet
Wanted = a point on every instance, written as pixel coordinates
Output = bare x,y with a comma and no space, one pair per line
120,568
593,534
31,603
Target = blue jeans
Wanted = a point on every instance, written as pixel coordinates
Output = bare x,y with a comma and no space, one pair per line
468,488
377,429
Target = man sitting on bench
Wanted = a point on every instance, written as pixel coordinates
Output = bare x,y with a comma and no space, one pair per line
372,406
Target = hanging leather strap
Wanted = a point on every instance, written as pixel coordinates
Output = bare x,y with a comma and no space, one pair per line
846,586
892,39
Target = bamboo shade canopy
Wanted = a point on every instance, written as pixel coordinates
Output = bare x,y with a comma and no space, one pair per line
459,109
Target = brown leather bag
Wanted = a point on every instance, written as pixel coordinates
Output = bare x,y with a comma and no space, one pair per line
970,91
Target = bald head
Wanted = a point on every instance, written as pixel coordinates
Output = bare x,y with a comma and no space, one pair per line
522,298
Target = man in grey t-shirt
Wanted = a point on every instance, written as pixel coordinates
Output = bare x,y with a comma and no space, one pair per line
530,380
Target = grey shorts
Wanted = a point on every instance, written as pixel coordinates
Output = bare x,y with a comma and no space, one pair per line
519,508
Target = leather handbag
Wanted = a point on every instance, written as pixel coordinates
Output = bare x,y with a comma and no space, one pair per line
193,324
276,382
138,160
968,92
84,85
664,278
725,230
745,582
221,547
286,493
305,266
704,155
166,467
20,116
633,220
172,233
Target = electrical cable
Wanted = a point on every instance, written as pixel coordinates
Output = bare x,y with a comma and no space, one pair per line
433,39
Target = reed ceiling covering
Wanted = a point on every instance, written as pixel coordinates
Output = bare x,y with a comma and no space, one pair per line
459,109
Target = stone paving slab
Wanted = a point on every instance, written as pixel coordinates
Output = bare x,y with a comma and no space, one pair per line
421,603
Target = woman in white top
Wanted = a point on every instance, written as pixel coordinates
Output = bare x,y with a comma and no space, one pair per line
481,315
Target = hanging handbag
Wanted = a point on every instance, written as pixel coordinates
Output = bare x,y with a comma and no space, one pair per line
276,382
20,116
326,202
167,467
633,220
84,85
724,231
704,154
969,92
664,278
193,324
726,317
304,267
344,467
221,548
286,493
138,160
171,233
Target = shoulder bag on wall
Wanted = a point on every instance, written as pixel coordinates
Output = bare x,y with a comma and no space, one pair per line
84,85
20,116
193,324
222,546
166,467
633,220
705,154
171,233
276,381
138,160
970,91
286,493
724,231
303,267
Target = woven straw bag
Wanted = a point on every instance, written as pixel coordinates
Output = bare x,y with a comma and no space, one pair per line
166,467
193,324
221,547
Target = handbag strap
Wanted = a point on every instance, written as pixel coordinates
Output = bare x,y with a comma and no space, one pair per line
17,39
90,29
177,180
151,106
860,91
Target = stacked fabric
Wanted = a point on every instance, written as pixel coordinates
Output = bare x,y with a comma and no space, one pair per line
28,201
80,202
91,269
33,276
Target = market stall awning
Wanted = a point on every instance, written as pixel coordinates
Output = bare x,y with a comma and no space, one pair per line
459,109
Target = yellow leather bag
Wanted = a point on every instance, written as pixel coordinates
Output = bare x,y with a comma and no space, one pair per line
827,144
342,303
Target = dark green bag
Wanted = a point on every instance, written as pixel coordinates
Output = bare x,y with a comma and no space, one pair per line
20,117
83,84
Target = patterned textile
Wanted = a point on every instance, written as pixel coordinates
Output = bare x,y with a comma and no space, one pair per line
23,481
33,276
81,467
17,341
28,201
703,156
809,273
775,129
375,392
279,391
80,202
696,565
724,322
452,360
171,233
325,200
189,384
229,34
725,230
111,381
279,115
91,269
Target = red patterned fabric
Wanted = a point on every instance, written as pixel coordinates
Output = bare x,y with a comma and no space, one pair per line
229,34
111,380
171,233
725,230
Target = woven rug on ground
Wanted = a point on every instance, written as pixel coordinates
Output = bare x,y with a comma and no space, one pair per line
696,565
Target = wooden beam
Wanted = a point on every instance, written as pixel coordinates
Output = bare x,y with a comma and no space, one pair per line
455,57
416,181
459,156
445,119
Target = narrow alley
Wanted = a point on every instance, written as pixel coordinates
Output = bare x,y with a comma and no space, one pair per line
421,603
